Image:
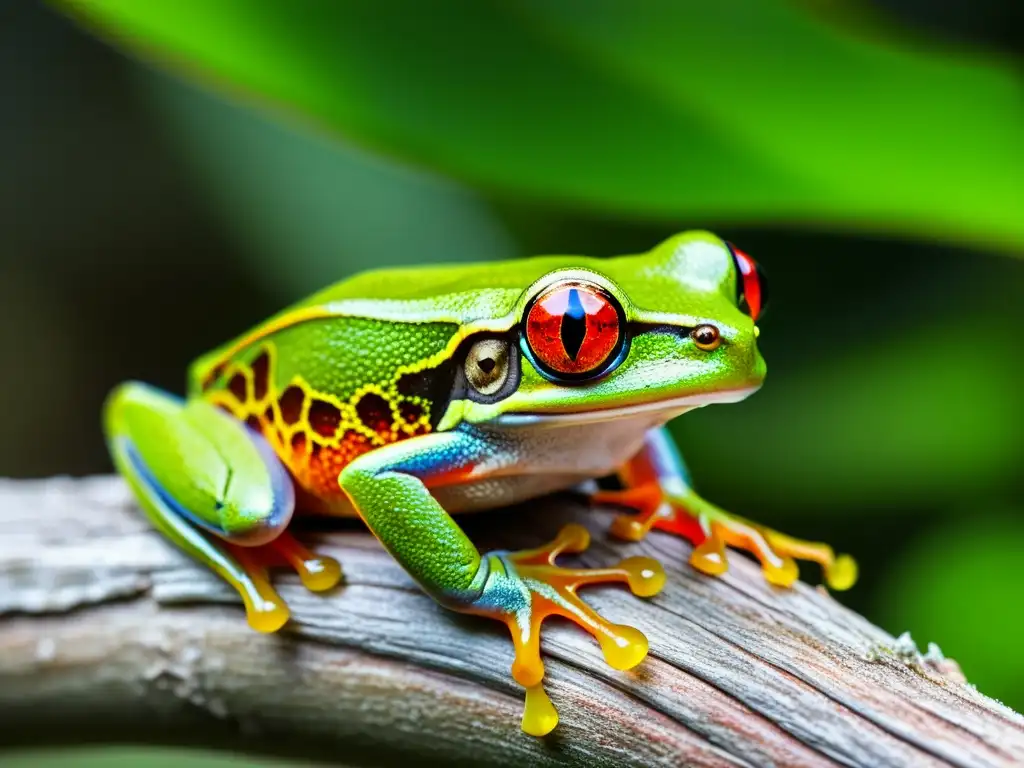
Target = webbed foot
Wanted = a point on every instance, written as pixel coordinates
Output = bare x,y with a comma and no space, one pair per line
523,588
265,609
216,489
711,530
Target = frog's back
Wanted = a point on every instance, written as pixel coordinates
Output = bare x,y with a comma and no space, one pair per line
656,279
432,281
450,294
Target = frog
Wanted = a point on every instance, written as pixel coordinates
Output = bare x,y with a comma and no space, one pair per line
408,396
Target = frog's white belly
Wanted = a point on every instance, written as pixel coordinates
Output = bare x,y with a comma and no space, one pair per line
534,460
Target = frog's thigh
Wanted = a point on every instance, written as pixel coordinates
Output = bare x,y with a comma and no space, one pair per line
196,471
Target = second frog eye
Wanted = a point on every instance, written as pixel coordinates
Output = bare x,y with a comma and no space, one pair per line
574,330
751,284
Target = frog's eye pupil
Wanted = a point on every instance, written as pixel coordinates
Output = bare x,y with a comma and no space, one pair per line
574,325
486,364
751,283
573,330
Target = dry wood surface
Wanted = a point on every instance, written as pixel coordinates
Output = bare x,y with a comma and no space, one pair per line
109,634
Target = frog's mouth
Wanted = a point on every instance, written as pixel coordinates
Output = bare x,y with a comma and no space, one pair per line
669,408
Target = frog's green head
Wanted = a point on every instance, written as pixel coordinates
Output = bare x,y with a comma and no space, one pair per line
663,331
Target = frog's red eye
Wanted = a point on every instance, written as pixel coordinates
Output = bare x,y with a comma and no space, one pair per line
574,330
751,283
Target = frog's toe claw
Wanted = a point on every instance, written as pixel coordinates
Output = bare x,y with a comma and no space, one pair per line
842,573
627,528
709,557
524,588
266,613
644,575
321,573
782,574
318,572
623,646
539,715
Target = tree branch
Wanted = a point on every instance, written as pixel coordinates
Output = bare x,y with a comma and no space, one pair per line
109,634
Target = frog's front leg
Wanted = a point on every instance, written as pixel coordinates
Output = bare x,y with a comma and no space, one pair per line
659,489
217,490
390,489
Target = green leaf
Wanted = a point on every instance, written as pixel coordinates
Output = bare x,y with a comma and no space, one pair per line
740,110
959,585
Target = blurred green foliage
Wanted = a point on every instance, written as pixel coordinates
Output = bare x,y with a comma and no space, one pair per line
278,192
981,580
751,110
891,422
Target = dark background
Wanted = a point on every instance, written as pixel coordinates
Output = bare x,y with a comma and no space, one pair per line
143,221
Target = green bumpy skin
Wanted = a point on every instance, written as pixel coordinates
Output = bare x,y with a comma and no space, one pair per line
403,396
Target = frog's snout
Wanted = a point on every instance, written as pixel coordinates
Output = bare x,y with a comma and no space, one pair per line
758,366
760,369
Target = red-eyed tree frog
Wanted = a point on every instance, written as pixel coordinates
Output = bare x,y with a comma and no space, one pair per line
405,396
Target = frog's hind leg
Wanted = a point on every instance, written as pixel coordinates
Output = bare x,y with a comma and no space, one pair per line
216,489
659,492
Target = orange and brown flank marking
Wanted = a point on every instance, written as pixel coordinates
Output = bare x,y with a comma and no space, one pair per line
324,418
299,443
260,375
268,414
320,475
239,387
374,412
290,404
410,412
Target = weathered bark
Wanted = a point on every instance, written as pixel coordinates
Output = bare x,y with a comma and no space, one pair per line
109,634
